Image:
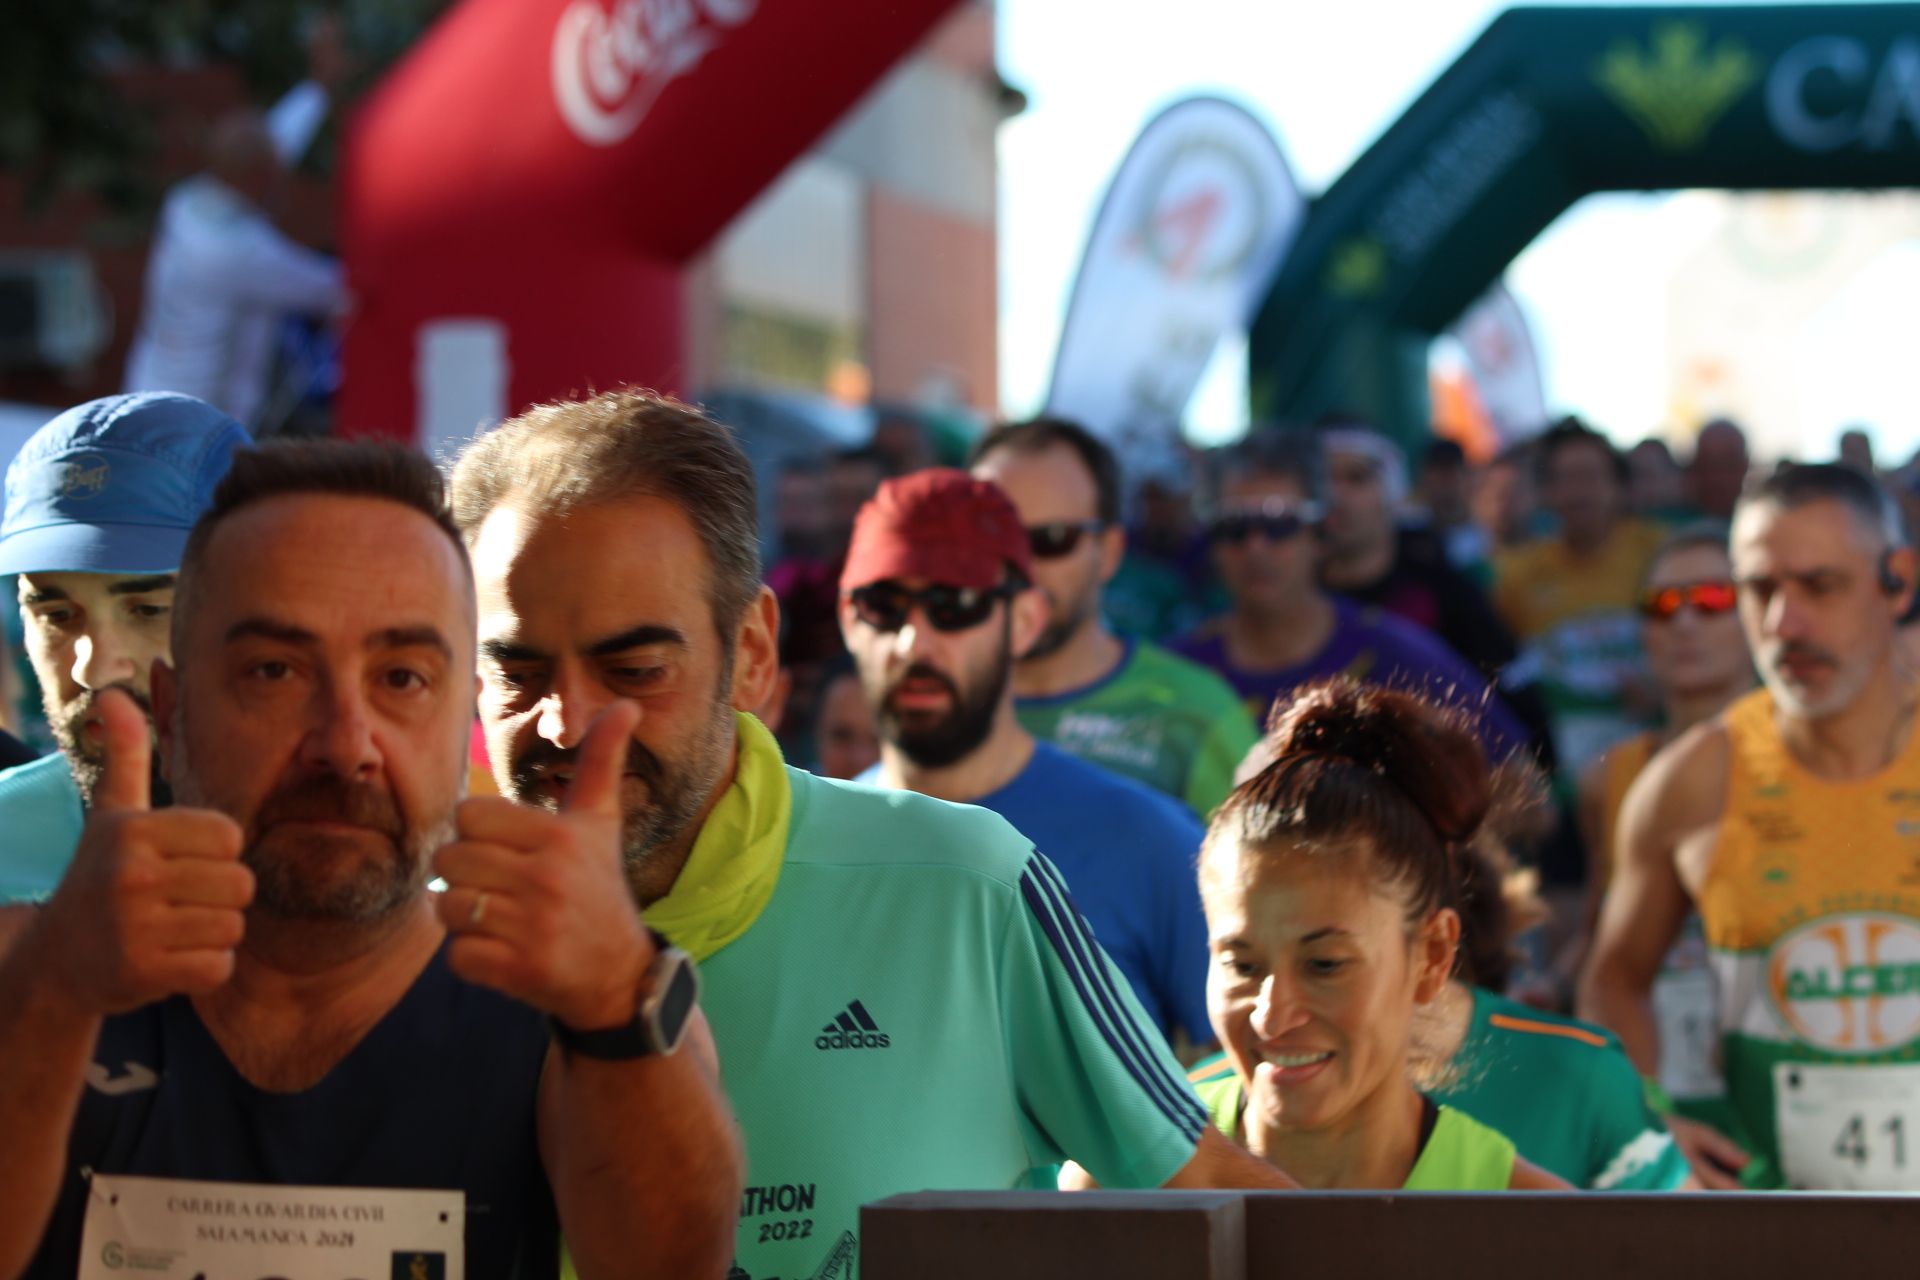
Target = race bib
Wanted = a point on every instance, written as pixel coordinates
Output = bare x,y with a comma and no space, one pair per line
1685,1007
150,1228
1845,1128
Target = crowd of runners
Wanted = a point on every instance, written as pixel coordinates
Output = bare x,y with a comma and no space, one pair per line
547,835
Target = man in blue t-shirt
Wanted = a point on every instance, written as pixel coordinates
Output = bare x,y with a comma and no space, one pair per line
939,552
1284,630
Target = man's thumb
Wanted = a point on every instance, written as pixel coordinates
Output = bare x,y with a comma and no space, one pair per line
127,742
602,761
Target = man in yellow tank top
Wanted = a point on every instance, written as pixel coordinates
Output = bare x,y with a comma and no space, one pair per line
1792,821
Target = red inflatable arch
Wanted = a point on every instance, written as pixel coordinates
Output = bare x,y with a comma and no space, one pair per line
521,195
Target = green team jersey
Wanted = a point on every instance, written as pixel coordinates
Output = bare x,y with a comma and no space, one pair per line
920,1007
1460,1153
1156,718
1566,1093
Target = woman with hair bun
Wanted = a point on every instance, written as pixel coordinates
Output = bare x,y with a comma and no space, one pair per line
1331,881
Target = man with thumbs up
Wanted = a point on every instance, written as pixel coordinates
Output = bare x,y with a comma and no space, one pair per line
863,951
251,999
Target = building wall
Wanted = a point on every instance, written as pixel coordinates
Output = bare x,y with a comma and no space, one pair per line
932,293
872,265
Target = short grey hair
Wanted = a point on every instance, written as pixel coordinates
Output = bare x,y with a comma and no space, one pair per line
1795,484
569,454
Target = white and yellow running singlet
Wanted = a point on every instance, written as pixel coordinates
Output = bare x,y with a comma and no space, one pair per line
1811,906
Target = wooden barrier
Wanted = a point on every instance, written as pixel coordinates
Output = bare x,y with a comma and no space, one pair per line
1167,1235
1047,1235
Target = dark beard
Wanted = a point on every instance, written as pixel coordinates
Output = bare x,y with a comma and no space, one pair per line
85,759
675,796
1064,623
956,735
288,889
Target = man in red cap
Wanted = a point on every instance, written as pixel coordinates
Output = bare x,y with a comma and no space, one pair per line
937,604
903,995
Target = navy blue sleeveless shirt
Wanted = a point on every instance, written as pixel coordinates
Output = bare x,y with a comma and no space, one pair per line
440,1095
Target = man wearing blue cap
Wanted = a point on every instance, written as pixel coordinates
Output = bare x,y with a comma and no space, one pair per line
98,506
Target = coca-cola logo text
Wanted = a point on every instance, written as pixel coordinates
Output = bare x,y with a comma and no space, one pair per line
610,65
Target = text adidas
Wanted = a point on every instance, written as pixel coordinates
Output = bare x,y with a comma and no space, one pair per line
852,1028
853,1040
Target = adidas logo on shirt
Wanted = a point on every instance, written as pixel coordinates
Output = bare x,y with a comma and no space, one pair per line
852,1028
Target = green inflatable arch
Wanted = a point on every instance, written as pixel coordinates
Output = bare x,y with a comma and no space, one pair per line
1547,106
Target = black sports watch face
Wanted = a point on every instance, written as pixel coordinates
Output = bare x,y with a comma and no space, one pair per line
658,1024
673,1006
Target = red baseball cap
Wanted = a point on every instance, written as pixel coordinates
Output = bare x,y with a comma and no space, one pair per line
942,525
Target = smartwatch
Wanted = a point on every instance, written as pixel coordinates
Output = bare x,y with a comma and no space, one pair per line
671,988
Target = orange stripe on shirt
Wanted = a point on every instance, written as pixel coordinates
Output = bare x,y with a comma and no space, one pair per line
1213,1071
1505,1023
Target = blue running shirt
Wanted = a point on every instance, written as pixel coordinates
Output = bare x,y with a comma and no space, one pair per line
1128,854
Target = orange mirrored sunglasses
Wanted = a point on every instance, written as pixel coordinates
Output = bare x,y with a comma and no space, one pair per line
1709,598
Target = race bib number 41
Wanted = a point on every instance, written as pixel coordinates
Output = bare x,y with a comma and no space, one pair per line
171,1229
1847,1128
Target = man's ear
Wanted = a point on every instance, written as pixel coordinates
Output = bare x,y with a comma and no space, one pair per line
773,712
756,652
163,691
1433,953
1031,614
1113,549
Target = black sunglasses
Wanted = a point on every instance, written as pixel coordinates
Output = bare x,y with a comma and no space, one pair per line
1274,527
885,606
1060,537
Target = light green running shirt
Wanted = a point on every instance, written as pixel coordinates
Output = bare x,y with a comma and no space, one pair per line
41,818
920,1007
1156,718
1460,1154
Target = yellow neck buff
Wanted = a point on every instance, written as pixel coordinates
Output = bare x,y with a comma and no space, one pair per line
736,859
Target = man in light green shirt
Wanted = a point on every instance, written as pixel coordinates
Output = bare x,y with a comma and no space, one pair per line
902,993
1125,704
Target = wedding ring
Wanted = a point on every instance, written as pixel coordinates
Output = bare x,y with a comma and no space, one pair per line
479,912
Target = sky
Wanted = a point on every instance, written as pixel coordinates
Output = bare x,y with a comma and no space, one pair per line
1328,78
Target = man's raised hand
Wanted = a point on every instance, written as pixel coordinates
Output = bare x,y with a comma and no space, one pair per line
538,902
155,901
